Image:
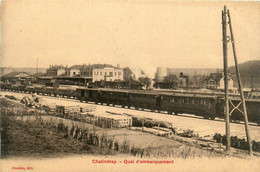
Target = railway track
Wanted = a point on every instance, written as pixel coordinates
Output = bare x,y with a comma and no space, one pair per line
74,99
183,121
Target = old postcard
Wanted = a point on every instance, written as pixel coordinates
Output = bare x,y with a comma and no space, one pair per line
130,85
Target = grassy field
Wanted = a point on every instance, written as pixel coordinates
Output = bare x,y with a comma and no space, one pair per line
32,136
20,139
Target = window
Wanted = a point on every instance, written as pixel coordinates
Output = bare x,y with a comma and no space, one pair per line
115,73
110,73
172,100
100,73
119,73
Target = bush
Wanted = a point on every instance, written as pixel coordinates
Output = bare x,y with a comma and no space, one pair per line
10,97
188,133
236,142
217,137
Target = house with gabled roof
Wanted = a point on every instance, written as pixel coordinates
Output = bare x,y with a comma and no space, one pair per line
55,70
15,77
216,81
73,70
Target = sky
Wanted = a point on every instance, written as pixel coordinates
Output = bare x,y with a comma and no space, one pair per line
139,34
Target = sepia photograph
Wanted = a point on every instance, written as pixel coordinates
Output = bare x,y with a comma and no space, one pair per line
129,85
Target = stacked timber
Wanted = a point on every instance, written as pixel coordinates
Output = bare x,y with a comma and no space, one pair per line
67,110
155,130
30,101
107,120
88,109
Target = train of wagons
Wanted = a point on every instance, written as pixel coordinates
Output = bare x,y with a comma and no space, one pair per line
207,106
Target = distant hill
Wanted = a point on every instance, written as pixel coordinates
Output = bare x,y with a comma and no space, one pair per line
31,71
192,71
249,72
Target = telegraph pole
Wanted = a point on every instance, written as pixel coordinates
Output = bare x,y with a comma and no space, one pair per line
240,87
225,62
37,67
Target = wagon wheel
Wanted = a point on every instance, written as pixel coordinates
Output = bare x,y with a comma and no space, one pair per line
205,117
212,117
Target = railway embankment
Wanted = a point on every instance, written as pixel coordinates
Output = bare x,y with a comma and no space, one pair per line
84,137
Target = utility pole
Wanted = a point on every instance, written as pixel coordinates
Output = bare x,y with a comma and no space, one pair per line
251,80
240,87
225,62
37,67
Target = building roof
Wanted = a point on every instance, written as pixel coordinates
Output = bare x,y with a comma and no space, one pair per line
45,77
216,76
76,67
97,66
73,77
52,67
15,74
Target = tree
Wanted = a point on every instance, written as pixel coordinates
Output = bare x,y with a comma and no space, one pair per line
145,81
170,78
128,74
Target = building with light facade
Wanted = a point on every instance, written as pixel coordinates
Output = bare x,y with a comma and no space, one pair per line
107,74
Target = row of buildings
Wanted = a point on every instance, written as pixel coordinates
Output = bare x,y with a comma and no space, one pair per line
95,72
213,80
84,74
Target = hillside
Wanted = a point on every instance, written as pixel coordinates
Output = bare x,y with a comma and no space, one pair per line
192,71
5,70
249,72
